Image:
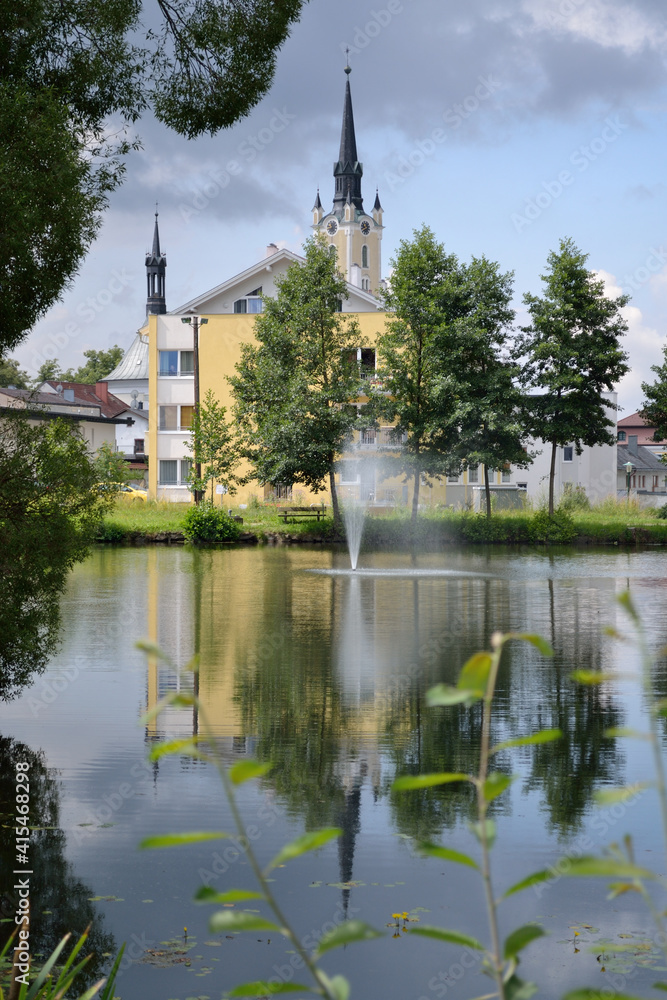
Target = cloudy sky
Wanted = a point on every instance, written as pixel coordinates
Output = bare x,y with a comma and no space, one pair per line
505,125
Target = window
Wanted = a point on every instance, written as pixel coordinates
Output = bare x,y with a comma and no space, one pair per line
621,435
168,470
365,284
168,362
506,476
186,465
568,453
187,413
364,256
452,477
368,435
349,472
473,474
168,418
138,446
250,303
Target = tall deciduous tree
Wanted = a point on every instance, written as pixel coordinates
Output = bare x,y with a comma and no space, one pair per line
12,374
427,296
74,78
572,354
214,448
654,408
491,432
292,389
98,365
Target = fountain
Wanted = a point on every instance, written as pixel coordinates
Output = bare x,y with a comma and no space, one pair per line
354,515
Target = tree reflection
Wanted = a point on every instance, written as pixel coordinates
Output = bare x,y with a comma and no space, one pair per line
60,902
29,622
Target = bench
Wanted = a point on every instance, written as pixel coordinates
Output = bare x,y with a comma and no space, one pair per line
297,513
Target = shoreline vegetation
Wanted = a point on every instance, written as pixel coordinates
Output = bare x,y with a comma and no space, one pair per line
611,522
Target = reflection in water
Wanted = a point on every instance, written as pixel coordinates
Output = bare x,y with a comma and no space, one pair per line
29,622
63,901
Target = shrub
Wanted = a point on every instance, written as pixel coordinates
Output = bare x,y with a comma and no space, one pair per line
574,498
558,529
661,512
206,524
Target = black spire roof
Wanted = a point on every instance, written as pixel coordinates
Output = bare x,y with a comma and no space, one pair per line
377,206
348,171
156,263
318,203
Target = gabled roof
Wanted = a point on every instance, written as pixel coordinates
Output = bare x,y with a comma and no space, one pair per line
642,459
85,395
51,404
645,430
133,364
266,264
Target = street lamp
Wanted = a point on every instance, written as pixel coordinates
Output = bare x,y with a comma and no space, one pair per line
196,321
629,469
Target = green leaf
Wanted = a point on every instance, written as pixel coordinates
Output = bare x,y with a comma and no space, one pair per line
609,796
538,641
626,602
207,894
592,677
535,879
660,986
454,937
174,839
475,673
306,842
247,769
519,989
263,988
427,780
489,828
152,649
338,986
231,920
444,694
605,868
594,994
495,785
520,938
188,746
543,736
346,933
447,854
626,731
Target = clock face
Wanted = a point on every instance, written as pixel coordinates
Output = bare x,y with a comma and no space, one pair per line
332,227
365,227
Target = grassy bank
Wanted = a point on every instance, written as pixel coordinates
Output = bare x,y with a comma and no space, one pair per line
611,523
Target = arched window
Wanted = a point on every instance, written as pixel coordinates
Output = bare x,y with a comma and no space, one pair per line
364,256
365,285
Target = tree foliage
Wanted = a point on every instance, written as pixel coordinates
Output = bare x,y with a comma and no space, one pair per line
74,79
110,465
214,448
654,408
293,388
12,374
98,365
571,354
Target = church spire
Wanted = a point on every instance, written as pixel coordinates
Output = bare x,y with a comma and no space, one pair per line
156,263
348,171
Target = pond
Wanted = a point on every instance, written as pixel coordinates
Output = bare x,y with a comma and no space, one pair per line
323,673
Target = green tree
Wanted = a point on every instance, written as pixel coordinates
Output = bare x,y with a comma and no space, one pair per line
110,465
215,450
490,427
654,408
292,389
571,355
74,79
11,374
48,371
96,368
427,296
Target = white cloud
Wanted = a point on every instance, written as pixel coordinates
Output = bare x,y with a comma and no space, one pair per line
617,26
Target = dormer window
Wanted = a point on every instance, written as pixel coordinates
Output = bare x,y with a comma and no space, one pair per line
250,303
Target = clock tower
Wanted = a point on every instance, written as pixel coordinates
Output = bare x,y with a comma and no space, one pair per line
356,234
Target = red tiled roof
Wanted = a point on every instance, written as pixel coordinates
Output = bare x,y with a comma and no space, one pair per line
86,396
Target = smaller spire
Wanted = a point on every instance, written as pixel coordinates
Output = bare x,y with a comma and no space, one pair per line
318,204
377,207
156,236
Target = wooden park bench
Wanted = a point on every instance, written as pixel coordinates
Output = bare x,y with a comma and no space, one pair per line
297,513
